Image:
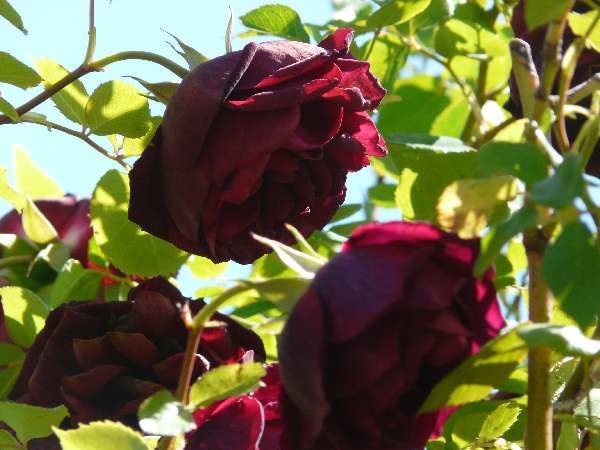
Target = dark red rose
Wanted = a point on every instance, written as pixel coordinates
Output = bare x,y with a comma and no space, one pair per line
102,359
255,139
247,422
381,324
587,65
70,218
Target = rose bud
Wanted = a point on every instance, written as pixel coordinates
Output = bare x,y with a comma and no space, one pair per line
241,423
102,359
587,66
69,217
255,139
381,324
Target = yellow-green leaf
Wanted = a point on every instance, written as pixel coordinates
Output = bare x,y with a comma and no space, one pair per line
580,24
466,205
101,436
32,180
36,226
70,100
25,314
13,71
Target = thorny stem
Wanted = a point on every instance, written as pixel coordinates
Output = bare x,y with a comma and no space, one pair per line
80,135
481,97
376,34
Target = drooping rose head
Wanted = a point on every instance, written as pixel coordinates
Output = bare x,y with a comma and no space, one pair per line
587,66
102,359
245,422
255,139
381,324
69,216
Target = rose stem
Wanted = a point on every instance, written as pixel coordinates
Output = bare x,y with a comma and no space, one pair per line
195,329
538,435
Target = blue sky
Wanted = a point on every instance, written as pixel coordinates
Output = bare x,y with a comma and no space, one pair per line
58,30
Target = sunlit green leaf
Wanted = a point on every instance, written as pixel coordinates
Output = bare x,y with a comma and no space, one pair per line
129,248
283,292
31,180
13,71
192,56
278,20
8,193
580,24
74,283
465,206
31,422
397,12
564,340
101,436
163,415
135,146
205,268
25,314
523,161
540,12
499,421
116,107
474,378
456,37
36,226
10,14
11,360
8,109
225,381
70,100
161,91
345,211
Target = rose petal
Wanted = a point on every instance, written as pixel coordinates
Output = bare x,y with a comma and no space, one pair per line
339,41
320,121
90,353
87,384
236,424
135,347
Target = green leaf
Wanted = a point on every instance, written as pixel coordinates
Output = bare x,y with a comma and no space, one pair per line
345,211
452,120
499,421
192,56
302,263
10,14
204,268
387,57
70,100
116,107
570,267
13,71
25,314
223,382
428,164
569,436
397,12
540,12
278,20
7,441
421,99
36,226
580,23
162,91
101,436
465,206
456,37
383,195
74,283
8,193
437,12
53,255
11,360
492,243
32,180
475,377
8,109
136,146
568,341
559,190
163,415
130,249
283,292
31,422
523,161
